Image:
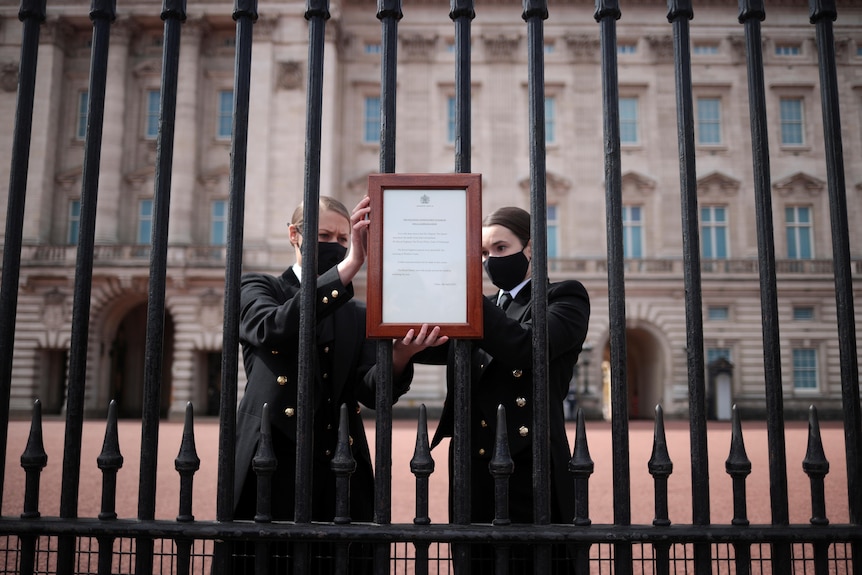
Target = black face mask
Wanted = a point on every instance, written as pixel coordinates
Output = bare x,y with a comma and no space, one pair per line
507,271
328,255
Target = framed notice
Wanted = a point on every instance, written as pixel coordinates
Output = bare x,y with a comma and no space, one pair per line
425,254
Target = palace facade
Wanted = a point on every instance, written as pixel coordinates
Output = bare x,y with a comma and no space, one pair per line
577,237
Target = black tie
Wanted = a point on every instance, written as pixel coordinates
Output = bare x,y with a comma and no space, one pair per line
505,300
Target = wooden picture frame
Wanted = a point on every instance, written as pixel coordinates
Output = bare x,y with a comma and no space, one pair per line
425,254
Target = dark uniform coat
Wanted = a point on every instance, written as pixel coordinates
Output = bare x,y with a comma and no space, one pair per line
344,373
501,367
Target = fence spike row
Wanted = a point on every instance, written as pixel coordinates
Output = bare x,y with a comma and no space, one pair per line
110,460
581,466
33,460
343,465
660,467
501,467
264,464
186,464
738,466
816,466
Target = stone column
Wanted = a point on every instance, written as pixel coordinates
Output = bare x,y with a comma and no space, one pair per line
47,132
187,140
113,131
258,225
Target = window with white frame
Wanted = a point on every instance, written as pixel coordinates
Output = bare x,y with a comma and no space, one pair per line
805,369
799,236
788,49
709,121
74,222
151,131
715,353
373,48
81,116
803,313
713,232
218,223
371,120
632,232
553,232
791,119
145,222
627,48
224,117
629,121
550,119
705,49
718,313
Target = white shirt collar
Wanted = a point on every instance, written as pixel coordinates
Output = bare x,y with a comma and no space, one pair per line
514,291
297,270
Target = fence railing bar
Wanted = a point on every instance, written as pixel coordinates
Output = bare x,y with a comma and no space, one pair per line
31,14
173,14
186,463
606,14
110,460
462,13
822,14
102,15
442,532
680,12
752,12
422,466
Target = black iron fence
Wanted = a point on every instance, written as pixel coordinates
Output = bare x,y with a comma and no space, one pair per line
32,543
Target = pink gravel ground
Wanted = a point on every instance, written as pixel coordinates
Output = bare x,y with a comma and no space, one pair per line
403,496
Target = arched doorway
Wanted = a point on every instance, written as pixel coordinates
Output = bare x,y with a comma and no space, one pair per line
645,372
127,363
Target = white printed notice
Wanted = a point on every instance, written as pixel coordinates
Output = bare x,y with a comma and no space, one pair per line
424,256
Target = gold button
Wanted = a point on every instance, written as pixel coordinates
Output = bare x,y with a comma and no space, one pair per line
517,373
334,293
274,352
481,366
481,452
483,423
358,409
523,431
328,452
350,439
281,379
325,375
520,402
326,349
325,299
329,426
290,412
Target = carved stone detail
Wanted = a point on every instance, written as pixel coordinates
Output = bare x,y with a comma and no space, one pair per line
501,47
661,47
799,184
717,183
418,46
585,48
289,75
9,77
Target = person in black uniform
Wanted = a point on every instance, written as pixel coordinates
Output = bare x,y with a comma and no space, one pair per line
345,373
501,367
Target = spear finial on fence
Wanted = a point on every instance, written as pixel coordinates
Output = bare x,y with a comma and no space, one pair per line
110,460
33,460
816,467
422,466
738,467
660,467
343,465
186,464
581,466
501,468
264,464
